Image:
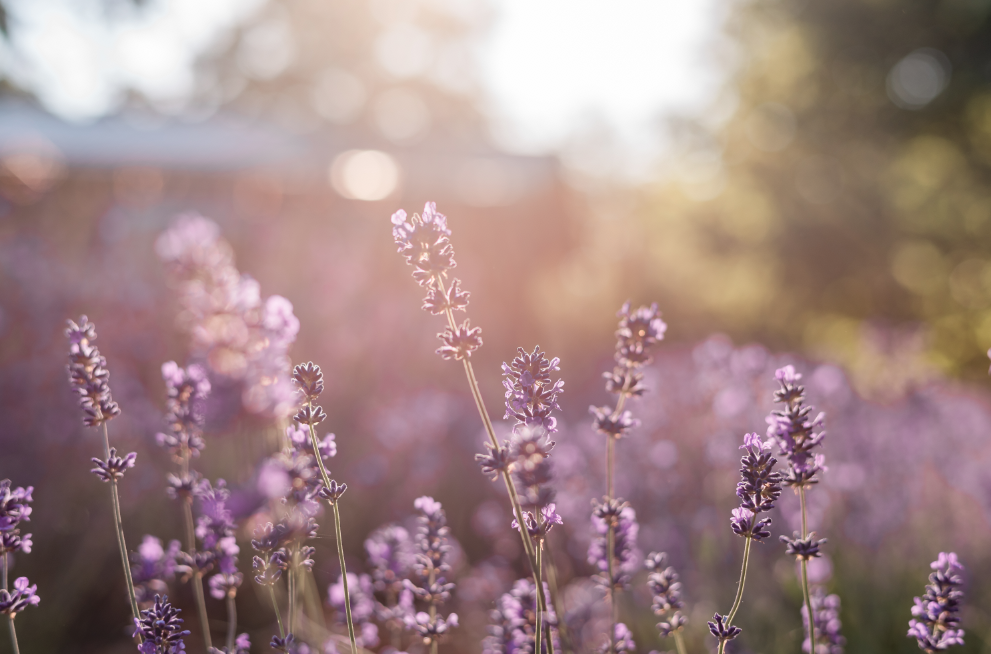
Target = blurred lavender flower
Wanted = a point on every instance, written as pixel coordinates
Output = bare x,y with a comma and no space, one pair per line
234,332
826,609
299,440
794,432
757,489
936,620
623,519
152,567
14,509
614,426
531,396
622,640
430,564
22,596
538,528
513,622
390,554
242,645
286,644
187,389
531,446
666,591
802,549
361,593
161,628
88,374
114,467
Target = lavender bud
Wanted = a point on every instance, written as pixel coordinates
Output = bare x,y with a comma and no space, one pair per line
623,519
424,241
21,597
460,343
187,390
513,623
310,414
284,645
114,467
531,395
538,530
152,566
14,509
936,620
390,553
721,630
161,628
794,430
333,493
802,548
622,638
88,374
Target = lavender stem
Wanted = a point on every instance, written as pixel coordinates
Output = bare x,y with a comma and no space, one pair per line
538,633
119,528
805,574
344,573
187,506
10,618
278,614
337,527
291,583
611,533
231,622
679,642
739,591
556,600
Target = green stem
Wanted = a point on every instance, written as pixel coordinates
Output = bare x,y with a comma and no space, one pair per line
679,642
187,506
231,622
337,528
539,633
278,614
119,529
807,596
556,599
291,582
433,608
739,592
10,618
344,577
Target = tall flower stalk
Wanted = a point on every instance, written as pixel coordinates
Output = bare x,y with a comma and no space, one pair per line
424,240
758,489
90,379
798,436
638,331
14,509
309,381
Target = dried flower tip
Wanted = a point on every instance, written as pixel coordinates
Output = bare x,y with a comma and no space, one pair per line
440,301
309,378
498,460
114,467
803,548
333,492
722,630
461,342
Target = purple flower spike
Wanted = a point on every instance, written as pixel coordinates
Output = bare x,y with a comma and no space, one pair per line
431,562
390,553
424,241
795,431
438,302
624,522
14,509
114,467
187,390
638,331
15,601
936,621
88,374
666,591
514,622
531,395
161,629
461,342
759,487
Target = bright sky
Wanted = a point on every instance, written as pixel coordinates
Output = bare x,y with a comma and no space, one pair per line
552,68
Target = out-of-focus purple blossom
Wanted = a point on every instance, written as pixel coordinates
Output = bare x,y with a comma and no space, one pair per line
187,389
309,380
795,431
242,645
430,565
666,592
14,509
362,595
390,555
114,467
215,526
299,440
22,596
513,622
936,615
723,631
531,395
425,242
152,567
182,486
234,332
623,519
161,628
430,629
531,445
758,488
461,342
826,609
615,426
622,640
223,585
638,331
88,374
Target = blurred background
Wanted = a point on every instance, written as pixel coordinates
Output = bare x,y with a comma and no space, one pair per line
792,181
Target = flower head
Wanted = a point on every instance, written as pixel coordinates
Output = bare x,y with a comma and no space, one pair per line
114,467
936,615
425,242
623,519
531,395
795,431
459,343
22,596
638,331
88,374
161,628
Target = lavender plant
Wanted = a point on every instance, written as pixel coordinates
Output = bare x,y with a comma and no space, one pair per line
424,240
638,331
391,558
161,629
431,587
795,433
14,509
936,615
665,590
90,379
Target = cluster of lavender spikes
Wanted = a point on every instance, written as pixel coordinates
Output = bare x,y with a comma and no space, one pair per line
14,509
936,621
430,565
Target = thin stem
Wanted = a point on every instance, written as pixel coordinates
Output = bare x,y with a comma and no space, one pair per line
119,528
556,599
187,506
278,614
539,634
679,642
337,529
291,581
231,622
10,618
433,608
610,556
805,576
739,592
344,577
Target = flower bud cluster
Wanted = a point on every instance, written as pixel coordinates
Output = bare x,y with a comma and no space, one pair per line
936,615
826,609
757,489
666,592
88,374
161,628
14,509
429,566
152,567
795,431
187,390
623,520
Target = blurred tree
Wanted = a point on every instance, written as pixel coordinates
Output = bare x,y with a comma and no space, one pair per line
850,184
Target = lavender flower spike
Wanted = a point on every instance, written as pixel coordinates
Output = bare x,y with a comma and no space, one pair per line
431,562
666,591
161,629
936,621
